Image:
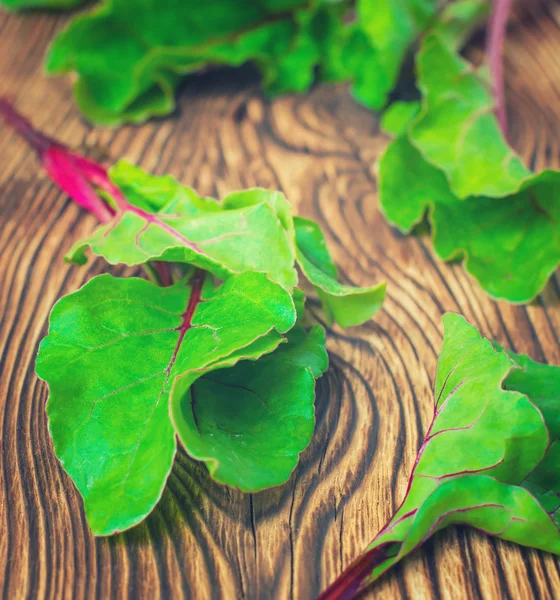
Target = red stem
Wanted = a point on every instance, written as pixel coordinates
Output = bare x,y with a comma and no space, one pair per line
78,176
162,270
39,142
495,54
356,577
98,175
68,170
62,167
197,282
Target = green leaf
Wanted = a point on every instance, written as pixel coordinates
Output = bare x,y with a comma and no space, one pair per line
344,304
157,45
458,21
542,384
457,130
50,4
452,163
473,410
489,458
250,231
396,119
306,348
250,422
404,201
511,245
154,193
114,349
384,32
370,51
122,356
290,41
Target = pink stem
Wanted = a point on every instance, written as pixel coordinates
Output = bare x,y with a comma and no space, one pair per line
495,54
64,167
356,576
77,176
97,174
197,283
39,142
163,273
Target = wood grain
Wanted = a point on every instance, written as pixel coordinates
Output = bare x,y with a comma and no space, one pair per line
205,541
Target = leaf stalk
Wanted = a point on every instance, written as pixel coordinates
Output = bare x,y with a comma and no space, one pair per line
77,176
357,576
495,55
73,173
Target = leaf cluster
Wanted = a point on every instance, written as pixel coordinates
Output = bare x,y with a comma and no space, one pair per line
48,4
490,458
485,207
130,55
223,359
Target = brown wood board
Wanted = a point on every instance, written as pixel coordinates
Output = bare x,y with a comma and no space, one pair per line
373,405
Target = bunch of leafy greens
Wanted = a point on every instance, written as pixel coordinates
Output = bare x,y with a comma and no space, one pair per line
215,350
483,204
50,4
130,362
130,55
490,459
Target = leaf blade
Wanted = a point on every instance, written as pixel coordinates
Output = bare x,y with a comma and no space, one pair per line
250,232
488,460
346,305
104,436
249,423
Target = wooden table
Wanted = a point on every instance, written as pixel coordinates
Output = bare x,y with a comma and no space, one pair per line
206,541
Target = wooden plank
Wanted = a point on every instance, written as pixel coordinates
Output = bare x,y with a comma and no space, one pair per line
205,541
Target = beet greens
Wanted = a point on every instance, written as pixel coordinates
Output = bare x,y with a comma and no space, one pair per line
215,351
490,458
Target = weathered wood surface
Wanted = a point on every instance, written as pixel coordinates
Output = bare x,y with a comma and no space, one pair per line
205,541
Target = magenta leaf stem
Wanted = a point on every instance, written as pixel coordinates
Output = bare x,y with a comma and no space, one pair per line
357,576
38,141
72,173
62,167
197,282
76,175
495,54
